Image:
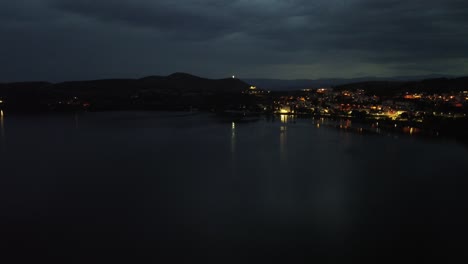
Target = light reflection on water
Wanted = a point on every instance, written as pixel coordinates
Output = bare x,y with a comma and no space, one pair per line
283,142
2,127
233,138
196,185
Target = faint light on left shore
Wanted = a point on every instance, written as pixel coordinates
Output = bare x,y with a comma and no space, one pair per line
1,113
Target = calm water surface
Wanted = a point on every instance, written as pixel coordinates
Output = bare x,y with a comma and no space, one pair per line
100,187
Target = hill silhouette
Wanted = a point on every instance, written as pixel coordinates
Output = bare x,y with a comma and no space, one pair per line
290,85
387,88
175,90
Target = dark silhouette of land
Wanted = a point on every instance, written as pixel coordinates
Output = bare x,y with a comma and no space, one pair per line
389,88
440,104
173,92
178,91
297,84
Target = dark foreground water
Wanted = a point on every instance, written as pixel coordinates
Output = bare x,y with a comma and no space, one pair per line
164,187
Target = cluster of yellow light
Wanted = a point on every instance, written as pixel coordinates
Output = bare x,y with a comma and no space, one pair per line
413,96
321,90
394,114
253,87
1,101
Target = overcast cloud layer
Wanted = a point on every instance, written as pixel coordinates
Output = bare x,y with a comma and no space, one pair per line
88,39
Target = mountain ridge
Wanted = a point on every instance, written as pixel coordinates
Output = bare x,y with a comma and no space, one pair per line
297,84
178,89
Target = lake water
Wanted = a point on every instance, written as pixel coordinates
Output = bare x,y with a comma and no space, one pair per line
133,186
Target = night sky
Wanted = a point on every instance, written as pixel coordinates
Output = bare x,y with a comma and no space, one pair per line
59,40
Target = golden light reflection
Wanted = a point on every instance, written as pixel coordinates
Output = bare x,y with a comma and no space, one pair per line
2,126
284,119
233,140
411,130
283,143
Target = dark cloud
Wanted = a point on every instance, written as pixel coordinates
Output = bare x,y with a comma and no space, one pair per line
69,39
182,20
